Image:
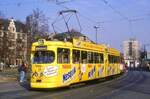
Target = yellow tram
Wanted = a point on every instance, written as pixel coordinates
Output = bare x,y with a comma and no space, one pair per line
60,63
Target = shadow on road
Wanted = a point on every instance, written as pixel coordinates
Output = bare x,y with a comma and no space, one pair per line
26,85
146,69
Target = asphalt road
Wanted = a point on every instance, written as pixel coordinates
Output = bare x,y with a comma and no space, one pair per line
131,85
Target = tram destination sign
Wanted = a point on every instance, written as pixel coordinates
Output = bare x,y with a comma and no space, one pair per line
41,48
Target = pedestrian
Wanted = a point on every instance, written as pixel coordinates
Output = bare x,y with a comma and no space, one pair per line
126,67
22,72
1,66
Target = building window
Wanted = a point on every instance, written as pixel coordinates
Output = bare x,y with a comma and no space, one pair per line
12,36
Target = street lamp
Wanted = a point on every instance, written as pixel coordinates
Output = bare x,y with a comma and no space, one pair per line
96,28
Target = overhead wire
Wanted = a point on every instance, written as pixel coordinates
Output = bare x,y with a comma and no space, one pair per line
87,18
130,20
19,3
114,9
61,3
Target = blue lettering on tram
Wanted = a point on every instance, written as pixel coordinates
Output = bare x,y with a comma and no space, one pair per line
100,71
91,73
69,74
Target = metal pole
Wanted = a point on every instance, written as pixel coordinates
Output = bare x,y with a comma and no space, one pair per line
145,52
96,35
96,27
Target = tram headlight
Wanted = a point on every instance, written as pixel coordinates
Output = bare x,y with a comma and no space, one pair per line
50,71
35,74
41,74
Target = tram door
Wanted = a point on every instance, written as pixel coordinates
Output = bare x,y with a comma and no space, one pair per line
106,63
76,60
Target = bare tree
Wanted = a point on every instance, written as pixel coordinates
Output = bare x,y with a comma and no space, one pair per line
37,24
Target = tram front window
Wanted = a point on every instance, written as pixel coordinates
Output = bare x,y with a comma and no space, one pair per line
42,57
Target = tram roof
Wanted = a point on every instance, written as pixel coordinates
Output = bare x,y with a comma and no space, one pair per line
54,43
76,43
113,51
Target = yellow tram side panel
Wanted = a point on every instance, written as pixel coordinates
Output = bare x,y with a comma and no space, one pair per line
89,74
78,75
65,70
71,73
101,67
85,72
100,70
45,82
75,73
54,81
68,71
38,80
113,68
82,70
92,70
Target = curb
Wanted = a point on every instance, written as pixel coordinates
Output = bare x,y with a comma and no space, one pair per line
7,79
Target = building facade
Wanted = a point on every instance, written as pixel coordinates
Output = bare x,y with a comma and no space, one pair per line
13,45
148,55
131,50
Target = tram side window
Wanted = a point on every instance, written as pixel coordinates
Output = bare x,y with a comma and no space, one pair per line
101,58
90,57
117,59
76,56
96,58
113,59
63,55
110,58
84,56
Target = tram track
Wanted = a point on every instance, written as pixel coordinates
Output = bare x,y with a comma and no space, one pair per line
91,89
107,88
85,87
95,90
118,87
38,93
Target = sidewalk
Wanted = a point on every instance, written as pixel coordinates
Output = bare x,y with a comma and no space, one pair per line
7,79
11,75
8,75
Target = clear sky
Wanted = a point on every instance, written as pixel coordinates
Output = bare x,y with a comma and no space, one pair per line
118,20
